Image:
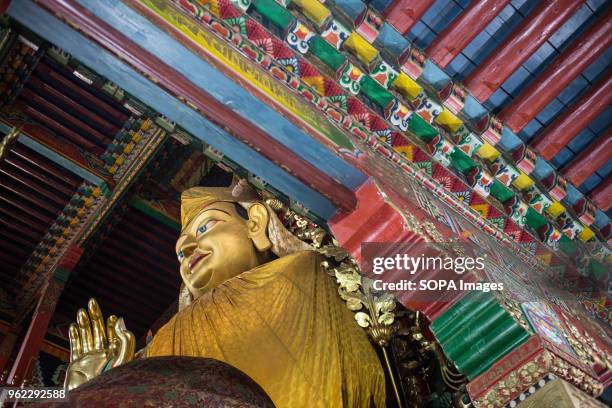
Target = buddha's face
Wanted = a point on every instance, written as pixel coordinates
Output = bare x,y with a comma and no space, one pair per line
219,244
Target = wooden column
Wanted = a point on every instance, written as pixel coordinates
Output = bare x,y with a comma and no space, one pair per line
578,116
403,14
458,34
590,160
563,70
537,27
28,352
7,346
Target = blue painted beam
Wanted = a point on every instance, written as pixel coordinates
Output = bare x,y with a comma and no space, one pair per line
90,54
199,72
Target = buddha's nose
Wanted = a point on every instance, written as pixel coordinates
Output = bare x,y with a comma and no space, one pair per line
188,248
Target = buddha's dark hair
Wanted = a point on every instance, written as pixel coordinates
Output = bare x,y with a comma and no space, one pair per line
241,211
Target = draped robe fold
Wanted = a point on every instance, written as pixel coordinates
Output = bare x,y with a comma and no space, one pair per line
284,325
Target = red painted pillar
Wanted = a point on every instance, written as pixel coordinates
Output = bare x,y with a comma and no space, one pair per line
7,346
540,24
403,14
563,70
26,358
563,129
28,352
602,195
454,38
590,160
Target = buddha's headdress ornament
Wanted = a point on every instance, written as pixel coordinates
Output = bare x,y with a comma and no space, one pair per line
195,199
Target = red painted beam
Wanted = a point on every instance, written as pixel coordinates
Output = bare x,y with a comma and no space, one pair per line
540,24
563,129
602,195
48,92
66,118
454,38
62,130
221,115
59,81
18,229
590,160
33,185
26,193
23,167
403,14
46,165
563,70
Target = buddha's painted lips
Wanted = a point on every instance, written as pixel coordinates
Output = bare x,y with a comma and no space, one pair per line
196,258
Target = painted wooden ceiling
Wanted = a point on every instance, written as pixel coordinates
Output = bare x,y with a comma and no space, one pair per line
37,188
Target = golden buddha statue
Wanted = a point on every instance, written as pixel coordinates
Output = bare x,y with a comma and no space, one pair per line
255,297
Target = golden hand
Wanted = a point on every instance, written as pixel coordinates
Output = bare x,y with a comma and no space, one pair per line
94,349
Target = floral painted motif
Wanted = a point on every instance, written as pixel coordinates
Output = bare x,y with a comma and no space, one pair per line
428,110
484,181
335,34
350,77
384,74
298,37
503,171
242,4
398,115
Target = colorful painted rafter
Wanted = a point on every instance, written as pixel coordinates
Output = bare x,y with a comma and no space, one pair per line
290,65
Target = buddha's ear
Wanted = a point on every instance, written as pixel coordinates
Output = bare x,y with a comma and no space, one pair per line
258,226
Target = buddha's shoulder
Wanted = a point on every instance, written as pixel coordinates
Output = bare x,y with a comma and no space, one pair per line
296,262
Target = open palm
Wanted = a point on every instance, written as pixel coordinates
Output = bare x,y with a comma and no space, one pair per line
95,348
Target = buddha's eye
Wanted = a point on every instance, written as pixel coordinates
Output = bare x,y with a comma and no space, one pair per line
181,256
205,227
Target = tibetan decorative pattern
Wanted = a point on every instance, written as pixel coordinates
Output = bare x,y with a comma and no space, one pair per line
398,115
335,34
350,79
453,96
298,37
384,74
422,131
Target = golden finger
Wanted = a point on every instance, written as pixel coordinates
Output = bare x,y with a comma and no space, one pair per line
97,325
85,331
75,342
110,333
127,343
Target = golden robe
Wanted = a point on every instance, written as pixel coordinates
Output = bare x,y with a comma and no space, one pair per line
284,325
